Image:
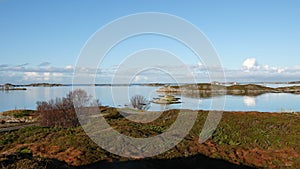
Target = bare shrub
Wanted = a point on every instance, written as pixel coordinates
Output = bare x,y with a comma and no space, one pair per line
79,98
61,111
140,102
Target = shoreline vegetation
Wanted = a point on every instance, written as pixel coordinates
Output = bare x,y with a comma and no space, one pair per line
241,140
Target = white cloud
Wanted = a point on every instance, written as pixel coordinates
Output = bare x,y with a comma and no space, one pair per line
250,71
47,74
199,64
250,64
70,67
31,74
280,70
140,78
57,74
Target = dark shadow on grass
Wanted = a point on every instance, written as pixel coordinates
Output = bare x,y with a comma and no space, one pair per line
27,160
193,162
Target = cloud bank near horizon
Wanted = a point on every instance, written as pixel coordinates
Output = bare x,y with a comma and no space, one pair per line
250,71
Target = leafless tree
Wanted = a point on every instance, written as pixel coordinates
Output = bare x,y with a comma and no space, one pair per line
79,98
140,102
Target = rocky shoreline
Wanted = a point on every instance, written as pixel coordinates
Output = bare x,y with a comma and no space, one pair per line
13,118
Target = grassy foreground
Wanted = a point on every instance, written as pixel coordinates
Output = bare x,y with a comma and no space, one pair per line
252,139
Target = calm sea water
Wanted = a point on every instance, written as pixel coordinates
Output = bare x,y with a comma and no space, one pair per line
119,96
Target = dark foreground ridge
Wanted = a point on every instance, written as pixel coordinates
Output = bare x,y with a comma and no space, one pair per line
193,162
23,160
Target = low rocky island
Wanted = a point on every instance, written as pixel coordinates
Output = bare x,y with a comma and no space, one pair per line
9,86
209,90
167,99
44,85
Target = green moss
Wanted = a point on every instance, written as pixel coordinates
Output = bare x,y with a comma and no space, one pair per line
25,150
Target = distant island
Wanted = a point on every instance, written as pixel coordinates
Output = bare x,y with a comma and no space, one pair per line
209,90
43,85
8,86
295,82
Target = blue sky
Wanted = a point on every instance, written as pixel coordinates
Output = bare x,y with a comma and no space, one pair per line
256,40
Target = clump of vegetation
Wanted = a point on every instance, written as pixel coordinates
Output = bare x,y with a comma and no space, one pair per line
25,150
61,111
18,113
140,102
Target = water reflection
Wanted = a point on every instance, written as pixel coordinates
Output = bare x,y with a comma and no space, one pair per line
249,101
